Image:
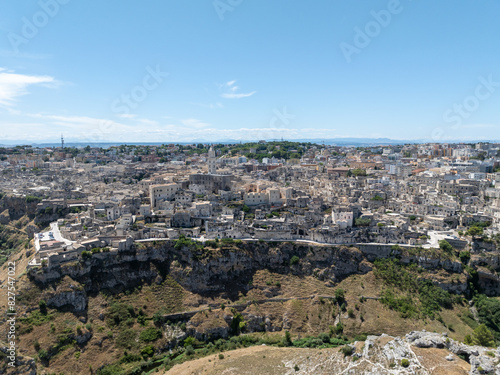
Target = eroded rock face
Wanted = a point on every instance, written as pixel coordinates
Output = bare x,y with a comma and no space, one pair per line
174,335
75,300
481,362
206,272
83,338
17,207
224,271
23,365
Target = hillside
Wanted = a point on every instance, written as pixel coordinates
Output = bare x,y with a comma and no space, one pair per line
166,302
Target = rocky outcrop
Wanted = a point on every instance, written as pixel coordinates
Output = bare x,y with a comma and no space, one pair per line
76,300
225,271
67,296
18,207
482,360
206,271
174,336
22,365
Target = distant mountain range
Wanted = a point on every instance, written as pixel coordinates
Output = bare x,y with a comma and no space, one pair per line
332,141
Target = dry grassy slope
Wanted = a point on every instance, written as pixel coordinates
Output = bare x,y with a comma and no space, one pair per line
17,236
282,361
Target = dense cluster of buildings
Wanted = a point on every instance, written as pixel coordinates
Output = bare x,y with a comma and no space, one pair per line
110,198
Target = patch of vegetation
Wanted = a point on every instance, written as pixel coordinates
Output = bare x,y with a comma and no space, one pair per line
126,339
150,334
415,298
358,172
362,222
37,318
488,310
480,336
347,350
445,246
464,257
32,198
191,348
183,241
120,313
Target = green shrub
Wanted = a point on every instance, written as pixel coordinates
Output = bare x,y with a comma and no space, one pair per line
150,334
31,198
347,350
294,260
43,354
339,295
445,246
483,336
405,362
36,318
287,341
464,257
43,306
86,254
119,313
148,351
362,222
488,310
189,341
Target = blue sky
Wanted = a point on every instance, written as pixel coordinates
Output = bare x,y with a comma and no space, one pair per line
182,70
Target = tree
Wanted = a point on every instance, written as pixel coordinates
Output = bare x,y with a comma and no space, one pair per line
445,246
483,336
287,341
339,295
358,172
43,306
475,231
362,222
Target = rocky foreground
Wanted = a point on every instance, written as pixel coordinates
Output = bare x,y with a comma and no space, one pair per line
416,353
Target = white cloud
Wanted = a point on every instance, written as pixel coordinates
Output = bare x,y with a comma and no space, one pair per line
237,96
126,115
210,105
13,85
230,91
479,126
146,121
194,123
